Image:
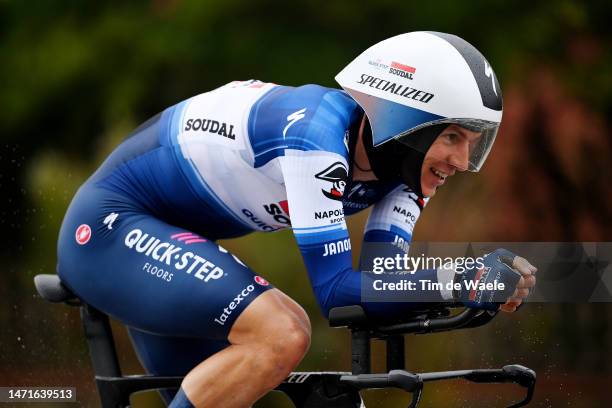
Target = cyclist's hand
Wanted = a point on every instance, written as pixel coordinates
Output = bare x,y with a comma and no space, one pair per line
524,285
491,284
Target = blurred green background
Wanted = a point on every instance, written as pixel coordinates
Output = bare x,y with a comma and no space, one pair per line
78,76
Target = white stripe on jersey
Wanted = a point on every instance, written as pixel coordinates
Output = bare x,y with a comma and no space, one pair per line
219,118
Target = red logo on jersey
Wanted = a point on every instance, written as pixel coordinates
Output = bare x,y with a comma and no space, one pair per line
82,234
261,281
285,206
279,211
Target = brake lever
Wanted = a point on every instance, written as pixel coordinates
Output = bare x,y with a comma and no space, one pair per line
416,397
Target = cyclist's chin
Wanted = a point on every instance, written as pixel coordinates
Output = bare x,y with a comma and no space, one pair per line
428,191
429,185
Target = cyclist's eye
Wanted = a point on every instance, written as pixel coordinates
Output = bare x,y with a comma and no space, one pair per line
452,137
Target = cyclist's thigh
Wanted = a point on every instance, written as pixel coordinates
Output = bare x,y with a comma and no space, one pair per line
148,274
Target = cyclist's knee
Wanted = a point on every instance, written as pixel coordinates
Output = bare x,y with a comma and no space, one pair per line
282,346
288,336
299,311
279,335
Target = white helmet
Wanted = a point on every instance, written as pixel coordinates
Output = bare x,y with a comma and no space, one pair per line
416,80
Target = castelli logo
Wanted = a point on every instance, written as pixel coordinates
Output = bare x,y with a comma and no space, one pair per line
261,281
82,234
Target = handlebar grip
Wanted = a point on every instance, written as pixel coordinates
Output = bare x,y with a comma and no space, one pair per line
511,373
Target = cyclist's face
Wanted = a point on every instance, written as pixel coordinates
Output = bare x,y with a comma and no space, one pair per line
449,153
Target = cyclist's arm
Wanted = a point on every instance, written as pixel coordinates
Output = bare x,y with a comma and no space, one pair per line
393,218
321,234
389,232
317,219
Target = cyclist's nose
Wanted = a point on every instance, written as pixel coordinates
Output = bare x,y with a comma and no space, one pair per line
459,157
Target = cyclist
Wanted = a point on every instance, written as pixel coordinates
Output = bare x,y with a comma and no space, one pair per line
138,240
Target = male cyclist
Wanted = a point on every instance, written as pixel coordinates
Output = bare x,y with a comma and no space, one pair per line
138,240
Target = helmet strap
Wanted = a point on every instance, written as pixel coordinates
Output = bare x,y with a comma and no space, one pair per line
352,144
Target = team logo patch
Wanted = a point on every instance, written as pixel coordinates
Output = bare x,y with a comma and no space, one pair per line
489,74
261,281
405,71
337,175
294,117
481,276
210,126
378,64
395,88
82,234
279,211
110,219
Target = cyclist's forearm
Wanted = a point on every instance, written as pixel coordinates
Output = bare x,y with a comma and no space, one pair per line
382,296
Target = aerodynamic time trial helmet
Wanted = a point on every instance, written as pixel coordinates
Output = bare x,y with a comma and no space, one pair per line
417,81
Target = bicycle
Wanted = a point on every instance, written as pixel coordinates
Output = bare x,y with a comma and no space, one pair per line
305,389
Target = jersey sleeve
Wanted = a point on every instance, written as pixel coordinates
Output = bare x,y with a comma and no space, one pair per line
394,217
315,182
389,232
389,229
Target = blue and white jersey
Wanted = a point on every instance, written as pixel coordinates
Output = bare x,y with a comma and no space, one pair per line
262,157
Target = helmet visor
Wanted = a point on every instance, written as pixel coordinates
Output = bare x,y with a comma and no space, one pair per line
463,143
